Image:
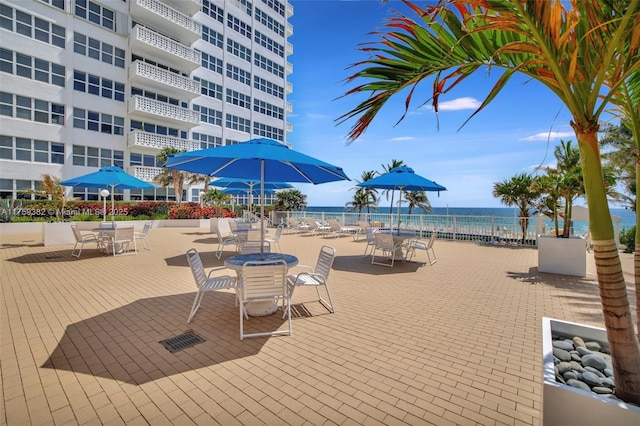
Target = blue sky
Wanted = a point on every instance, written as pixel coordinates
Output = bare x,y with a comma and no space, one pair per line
517,132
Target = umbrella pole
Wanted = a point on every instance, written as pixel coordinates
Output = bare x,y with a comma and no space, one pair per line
262,208
113,210
399,209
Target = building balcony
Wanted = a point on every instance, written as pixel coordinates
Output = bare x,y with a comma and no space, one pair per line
150,44
289,30
289,49
166,19
153,141
288,127
289,7
288,88
289,68
145,173
171,115
288,107
190,7
159,80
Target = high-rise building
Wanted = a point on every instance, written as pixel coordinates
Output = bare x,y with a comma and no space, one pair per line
91,83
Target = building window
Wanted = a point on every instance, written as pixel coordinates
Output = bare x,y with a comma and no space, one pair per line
212,63
238,26
209,88
238,74
146,160
275,5
33,68
268,65
212,10
33,150
30,26
270,132
98,50
212,37
237,98
238,50
98,86
98,122
269,44
238,123
95,13
156,96
157,129
268,109
55,3
269,22
88,156
209,115
207,141
268,87
31,109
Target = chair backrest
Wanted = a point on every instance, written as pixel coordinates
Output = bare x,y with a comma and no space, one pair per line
325,261
383,240
218,234
369,232
293,223
124,233
279,230
264,280
197,268
146,228
253,246
76,233
233,225
363,224
432,239
334,224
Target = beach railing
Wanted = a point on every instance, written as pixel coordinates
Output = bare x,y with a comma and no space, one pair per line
479,229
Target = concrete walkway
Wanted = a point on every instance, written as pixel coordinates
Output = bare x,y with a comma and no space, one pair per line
458,342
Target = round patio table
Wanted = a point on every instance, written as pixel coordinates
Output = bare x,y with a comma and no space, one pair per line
259,309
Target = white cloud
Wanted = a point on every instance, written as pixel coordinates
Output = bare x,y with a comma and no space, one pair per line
403,138
457,104
548,136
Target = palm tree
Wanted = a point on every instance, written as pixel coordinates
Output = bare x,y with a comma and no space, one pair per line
587,56
520,192
387,169
290,200
370,198
418,199
623,159
359,202
572,185
171,176
216,196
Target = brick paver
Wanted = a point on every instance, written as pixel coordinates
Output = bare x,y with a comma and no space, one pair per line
458,342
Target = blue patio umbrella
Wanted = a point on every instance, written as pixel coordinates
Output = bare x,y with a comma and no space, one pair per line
250,186
260,159
403,179
108,176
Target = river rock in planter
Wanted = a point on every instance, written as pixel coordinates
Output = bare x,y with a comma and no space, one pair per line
561,354
594,360
591,379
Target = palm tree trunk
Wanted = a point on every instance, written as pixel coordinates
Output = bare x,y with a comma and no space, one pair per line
623,343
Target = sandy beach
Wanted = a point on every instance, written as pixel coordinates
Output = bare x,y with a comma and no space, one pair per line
458,342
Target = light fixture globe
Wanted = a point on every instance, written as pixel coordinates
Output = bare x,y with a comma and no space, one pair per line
104,193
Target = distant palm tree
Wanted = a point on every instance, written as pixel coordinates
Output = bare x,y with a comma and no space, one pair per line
387,169
171,176
520,192
418,199
370,194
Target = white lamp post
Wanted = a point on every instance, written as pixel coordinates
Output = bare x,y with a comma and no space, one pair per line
105,194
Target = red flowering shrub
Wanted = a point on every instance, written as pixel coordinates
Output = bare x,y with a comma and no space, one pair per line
196,211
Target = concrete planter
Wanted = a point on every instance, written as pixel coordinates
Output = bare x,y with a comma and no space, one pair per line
565,256
21,228
566,405
58,234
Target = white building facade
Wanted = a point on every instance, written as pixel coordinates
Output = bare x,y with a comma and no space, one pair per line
92,83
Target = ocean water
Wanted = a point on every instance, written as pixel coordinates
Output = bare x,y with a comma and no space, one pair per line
628,217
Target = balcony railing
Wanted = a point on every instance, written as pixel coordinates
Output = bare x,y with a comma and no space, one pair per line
138,138
289,88
163,81
289,49
166,19
150,108
152,44
289,67
190,7
145,173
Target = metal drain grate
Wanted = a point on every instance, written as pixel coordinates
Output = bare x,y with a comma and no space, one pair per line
184,341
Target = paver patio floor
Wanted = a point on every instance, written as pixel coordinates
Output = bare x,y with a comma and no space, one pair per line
458,342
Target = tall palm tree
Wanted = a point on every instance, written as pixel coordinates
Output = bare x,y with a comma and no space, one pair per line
359,202
623,158
572,185
368,197
585,52
520,192
418,199
171,176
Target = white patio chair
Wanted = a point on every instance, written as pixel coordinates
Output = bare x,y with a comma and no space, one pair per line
316,277
143,235
122,240
82,239
206,282
229,240
253,246
368,249
384,243
275,238
264,282
427,246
